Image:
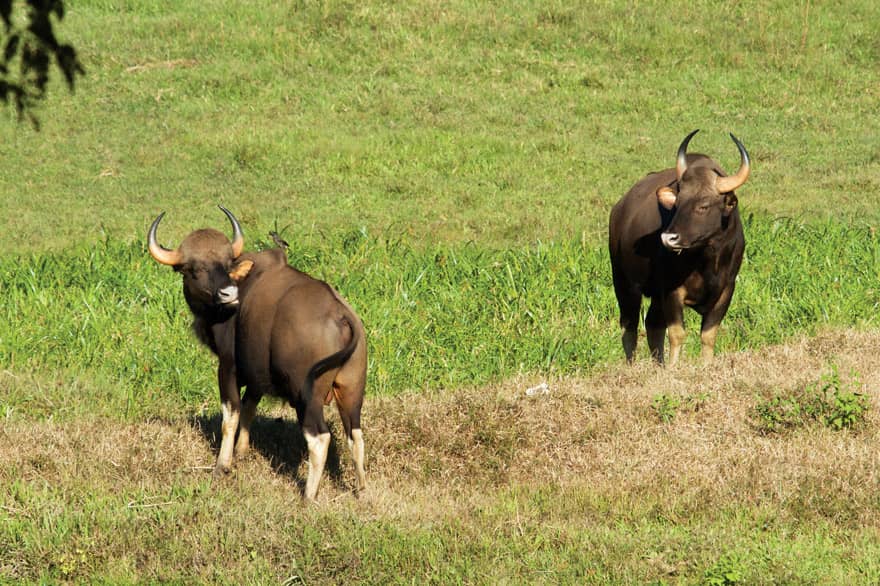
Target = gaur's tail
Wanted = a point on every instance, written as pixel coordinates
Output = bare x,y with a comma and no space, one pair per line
333,361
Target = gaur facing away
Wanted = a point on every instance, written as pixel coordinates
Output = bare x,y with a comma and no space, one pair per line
275,331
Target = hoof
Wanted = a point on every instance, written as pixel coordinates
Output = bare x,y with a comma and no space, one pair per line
221,471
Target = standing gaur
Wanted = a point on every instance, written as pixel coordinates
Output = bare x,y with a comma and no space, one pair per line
677,238
276,331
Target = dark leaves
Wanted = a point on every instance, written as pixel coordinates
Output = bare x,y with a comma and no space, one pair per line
29,53
69,64
6,13
11,48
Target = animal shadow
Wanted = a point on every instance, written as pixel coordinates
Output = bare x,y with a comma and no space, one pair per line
280,441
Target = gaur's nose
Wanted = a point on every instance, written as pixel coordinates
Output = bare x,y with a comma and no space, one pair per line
227,295
670,240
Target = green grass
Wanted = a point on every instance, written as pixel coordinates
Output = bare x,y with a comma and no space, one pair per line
449,167
113,538
438,316
502,125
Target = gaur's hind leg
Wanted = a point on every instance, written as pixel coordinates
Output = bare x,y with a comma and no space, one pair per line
316,433
248,411
349,402
655,327
317,436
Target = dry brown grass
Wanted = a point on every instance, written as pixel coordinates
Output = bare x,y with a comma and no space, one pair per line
446,455
599,431
602,433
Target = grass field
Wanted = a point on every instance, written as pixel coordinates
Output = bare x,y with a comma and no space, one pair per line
449,167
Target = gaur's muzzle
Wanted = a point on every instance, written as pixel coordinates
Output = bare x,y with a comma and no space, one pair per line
227,295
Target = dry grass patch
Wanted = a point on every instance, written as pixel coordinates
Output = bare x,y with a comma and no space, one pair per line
601,434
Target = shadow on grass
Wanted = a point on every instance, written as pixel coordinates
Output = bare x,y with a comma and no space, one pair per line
278,440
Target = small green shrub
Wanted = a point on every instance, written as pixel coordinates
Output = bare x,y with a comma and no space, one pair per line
726,571
831,401
778,413
665,406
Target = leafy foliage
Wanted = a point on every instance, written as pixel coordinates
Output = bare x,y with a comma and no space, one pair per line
667,405
28,51
831,401
726,571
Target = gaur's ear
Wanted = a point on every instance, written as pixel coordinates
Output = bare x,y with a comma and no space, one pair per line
730,202
666,197
241,270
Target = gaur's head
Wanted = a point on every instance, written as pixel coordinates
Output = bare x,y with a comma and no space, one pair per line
701,199
208,262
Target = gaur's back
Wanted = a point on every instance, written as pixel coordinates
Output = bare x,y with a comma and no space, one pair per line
280,305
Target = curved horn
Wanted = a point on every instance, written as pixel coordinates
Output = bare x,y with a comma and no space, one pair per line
728,184
681,164
159,252
237,235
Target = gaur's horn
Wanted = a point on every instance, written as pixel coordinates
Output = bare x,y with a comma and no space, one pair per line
159,252
728,184
681,164
237,235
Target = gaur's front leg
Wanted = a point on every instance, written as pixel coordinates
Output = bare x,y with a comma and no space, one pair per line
711,321
655,328
230,406
673,309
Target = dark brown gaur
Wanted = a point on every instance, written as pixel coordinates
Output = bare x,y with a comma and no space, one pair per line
676,237
275,331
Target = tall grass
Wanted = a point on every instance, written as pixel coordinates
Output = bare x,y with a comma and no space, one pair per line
437,316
